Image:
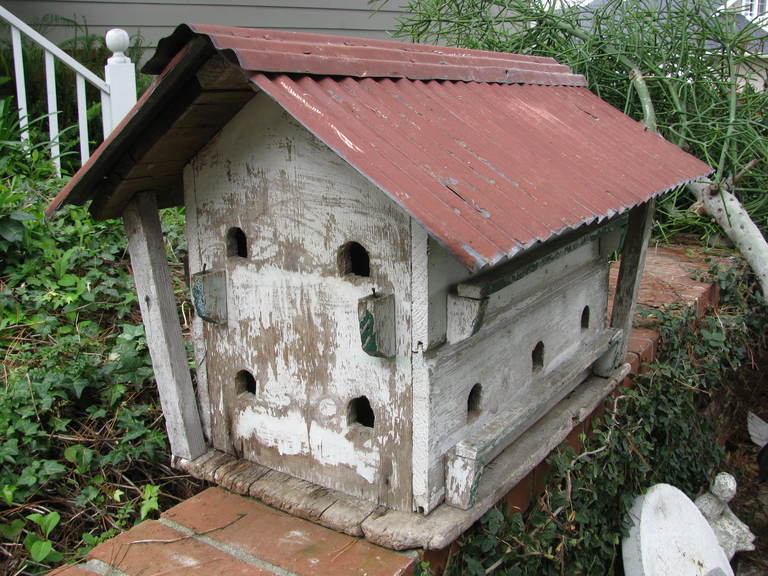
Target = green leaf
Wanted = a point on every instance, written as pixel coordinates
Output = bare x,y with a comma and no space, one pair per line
11,230
28,476
6,492
12,530
53,467
87,494
20,216
46,522
68,280
40,550
149,500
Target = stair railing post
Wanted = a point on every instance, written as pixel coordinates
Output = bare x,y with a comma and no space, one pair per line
120,75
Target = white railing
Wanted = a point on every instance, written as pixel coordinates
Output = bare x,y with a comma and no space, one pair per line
118,89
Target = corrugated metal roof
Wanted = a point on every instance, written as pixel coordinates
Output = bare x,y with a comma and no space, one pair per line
488,167
319,54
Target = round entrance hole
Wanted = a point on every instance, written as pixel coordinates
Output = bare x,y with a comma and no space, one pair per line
360,412
353,259
474,401
245,382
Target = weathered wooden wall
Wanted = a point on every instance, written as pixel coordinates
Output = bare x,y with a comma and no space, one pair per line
154,19
291,317
545,306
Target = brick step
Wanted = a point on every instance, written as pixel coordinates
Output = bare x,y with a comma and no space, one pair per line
217,532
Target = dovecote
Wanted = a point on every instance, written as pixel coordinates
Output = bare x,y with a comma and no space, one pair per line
398,259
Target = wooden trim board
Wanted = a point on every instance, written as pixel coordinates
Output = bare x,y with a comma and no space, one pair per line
161,323
628,284
405,530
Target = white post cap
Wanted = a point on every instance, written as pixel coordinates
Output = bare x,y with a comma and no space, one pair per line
118,42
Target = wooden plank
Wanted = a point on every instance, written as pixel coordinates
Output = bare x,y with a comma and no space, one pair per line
628,284
198,336
444,273
465,316
209,295
161,323
347,514
466,462
293,495
402,531
238,475
377,325
205,468
220,73
419,373
495,280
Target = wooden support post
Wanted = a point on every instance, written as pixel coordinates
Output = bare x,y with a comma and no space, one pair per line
628,284
161,322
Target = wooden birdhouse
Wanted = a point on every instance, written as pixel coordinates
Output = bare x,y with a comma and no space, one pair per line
398,259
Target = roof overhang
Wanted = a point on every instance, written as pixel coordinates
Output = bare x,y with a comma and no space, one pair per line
195,94
488,169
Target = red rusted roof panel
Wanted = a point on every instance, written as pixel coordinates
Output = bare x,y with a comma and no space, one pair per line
491,152
323,55
488,169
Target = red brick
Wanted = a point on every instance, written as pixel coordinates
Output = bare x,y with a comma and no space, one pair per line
70,570
633,360
539,477
643,342
153,548
284,540
438,559
573,439
519,498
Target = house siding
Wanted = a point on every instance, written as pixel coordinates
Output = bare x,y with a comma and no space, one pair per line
155,19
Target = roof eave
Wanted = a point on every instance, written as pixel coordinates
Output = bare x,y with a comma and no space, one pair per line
92,180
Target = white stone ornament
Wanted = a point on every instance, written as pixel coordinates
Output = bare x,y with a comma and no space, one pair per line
118,41
670,537
732,534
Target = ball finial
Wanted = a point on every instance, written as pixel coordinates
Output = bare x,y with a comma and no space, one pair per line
118,41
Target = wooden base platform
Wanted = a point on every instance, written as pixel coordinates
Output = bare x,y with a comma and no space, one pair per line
404,530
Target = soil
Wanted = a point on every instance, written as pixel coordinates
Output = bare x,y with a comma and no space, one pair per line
748,392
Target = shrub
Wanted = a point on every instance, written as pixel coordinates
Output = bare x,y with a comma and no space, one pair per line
82,446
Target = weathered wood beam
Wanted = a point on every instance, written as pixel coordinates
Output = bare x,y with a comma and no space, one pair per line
158,310
499,278
464,317
628,284
466,462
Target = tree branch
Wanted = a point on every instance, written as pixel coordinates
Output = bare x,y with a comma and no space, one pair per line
728,212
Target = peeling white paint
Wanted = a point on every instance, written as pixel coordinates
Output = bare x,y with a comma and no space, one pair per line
274,432
292,318
328,407
332,448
